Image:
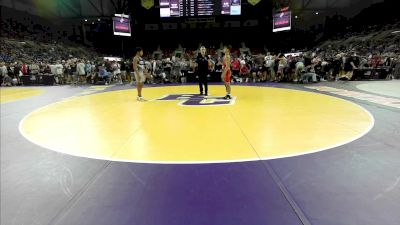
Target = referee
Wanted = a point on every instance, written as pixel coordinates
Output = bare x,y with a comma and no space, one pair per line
203,62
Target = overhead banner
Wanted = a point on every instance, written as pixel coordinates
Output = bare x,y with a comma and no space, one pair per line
147,4
282,21
253,2
122,25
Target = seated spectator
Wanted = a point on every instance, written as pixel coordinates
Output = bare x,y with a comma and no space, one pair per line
336,66
103,74
318,69
256,73
375,60
236,67
306,77
299,70
243,73
349,67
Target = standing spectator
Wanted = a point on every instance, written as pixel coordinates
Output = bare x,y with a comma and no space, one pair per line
73,72
59,73
24,69
298,70
80,67
17,71
123,71
281,66
6,80
185,67
167,68
116,68
270,63
88,70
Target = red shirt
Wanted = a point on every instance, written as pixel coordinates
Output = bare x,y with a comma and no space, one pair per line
24,69
244,70
236,65
375,61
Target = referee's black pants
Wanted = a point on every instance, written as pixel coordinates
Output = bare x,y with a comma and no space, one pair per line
203,81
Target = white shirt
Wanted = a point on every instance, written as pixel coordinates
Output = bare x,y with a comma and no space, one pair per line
116,67
53,69
299,65
80,67
59,69
3,71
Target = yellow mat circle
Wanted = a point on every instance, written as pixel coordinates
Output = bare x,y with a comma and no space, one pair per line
15,94
262,123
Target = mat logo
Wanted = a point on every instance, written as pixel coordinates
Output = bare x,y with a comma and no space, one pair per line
197,100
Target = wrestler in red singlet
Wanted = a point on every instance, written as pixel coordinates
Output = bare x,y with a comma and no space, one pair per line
226,72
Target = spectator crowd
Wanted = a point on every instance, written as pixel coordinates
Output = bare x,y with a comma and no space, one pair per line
78,65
